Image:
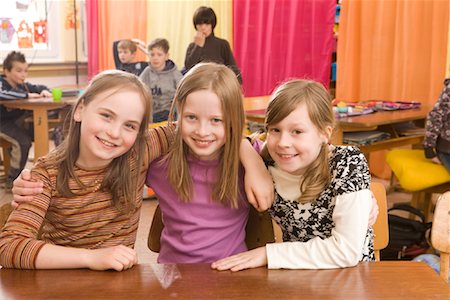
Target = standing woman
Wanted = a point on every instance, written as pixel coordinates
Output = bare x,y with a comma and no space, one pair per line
206,46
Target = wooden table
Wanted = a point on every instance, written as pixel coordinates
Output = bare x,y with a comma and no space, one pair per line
40,108
381,120
377,280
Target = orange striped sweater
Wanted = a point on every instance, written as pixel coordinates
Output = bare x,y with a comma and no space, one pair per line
88,220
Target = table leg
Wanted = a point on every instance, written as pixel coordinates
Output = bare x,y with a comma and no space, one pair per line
40,122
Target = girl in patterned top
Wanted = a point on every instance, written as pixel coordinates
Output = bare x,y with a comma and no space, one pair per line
323,198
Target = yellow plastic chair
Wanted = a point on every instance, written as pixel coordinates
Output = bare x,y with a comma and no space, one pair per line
418,175
440,232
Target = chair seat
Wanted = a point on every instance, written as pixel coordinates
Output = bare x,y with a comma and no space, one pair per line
414,171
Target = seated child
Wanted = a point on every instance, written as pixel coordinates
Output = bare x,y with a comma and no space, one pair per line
124,52
322,192
12,125
162,77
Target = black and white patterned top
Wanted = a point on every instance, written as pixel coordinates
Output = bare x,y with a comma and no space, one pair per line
339,217
437,127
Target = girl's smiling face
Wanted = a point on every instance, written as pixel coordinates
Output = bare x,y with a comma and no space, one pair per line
109,126
294,143
202,126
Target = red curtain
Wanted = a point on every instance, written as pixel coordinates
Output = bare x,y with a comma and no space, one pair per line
277,40
92,35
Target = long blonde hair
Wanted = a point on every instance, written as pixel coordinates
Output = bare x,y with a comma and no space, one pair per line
222,81
286,99
122,174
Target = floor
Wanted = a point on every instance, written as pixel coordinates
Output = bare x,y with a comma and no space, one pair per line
148,208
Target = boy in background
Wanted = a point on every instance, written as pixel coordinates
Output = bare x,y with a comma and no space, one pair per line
162,77
12,124
124,52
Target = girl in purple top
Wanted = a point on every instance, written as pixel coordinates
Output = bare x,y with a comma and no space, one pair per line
199,184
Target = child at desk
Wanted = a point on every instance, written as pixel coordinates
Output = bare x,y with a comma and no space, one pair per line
162,77
200,184
12,125
323,197
124,52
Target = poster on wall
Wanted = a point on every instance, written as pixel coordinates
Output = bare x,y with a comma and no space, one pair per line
40,31
71,16
23,24
24,35
6,31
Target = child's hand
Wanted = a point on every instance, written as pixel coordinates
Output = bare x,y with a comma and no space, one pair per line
119,258
141,45
245,260
46,94
34,95
436,160
24,188
199,39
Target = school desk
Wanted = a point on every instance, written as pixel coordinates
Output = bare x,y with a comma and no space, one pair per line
376,280
381,120
40,108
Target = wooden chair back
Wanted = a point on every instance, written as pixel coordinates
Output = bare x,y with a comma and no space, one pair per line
440,232
5,211
6,158
381,227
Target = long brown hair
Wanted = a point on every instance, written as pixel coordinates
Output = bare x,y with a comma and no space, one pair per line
122,174
286,99
222,81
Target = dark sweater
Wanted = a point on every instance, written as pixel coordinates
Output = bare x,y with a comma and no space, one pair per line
215,50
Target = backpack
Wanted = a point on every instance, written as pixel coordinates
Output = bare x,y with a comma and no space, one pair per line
407,237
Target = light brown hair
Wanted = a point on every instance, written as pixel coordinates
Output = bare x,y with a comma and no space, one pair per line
161,43
286,99
127,45
222,81
122,177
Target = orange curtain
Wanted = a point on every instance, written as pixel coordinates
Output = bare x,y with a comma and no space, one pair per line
392,50
119,19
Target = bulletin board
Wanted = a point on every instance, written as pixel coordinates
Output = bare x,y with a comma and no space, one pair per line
42,29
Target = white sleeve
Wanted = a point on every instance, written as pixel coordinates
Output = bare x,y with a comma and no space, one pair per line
342,249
